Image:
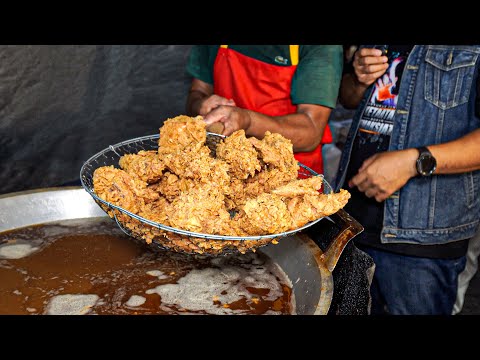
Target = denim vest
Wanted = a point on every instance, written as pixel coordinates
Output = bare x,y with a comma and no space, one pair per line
436,104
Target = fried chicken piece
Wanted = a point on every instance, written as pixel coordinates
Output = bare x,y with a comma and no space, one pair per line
119,188
299,187
266,214
263,182
240,154
306,208
236,196
200,166
267,180
277,151
170,185
157,211
182,132
201,209
145,164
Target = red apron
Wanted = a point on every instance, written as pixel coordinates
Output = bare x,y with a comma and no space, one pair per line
263,88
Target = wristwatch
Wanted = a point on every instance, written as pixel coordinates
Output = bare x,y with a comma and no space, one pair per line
426,163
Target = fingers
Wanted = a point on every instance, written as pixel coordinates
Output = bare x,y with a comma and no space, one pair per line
216,115
370,190
229,128
372,69
369,59
213,102
222,115
369,52
358,181
369,65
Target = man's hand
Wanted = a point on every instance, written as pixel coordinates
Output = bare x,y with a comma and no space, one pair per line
384,173
201,99
369,65
233,118
212,102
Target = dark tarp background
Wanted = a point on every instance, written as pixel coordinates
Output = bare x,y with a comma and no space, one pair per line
61,104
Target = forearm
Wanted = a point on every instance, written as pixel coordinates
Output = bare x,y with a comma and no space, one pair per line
304,133
458,156
351,91
194,102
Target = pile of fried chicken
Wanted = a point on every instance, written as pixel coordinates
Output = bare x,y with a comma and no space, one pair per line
238,187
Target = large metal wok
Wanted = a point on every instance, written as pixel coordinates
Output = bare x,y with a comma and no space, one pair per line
309,269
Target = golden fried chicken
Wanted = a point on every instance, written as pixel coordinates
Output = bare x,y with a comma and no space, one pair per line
199,165
266,181
276,151
299,187
200,209
170,185
156,211
266,214
263,182
182,132
121,189
306,208
184,186
145,164
240,154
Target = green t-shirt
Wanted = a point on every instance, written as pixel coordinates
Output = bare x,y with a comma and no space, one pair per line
316,79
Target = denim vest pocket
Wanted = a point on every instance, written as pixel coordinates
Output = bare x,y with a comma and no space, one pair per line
448,75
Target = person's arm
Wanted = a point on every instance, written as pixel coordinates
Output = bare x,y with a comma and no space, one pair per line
384,173
199,91
458,156
368,65
304,128
201,99
314,90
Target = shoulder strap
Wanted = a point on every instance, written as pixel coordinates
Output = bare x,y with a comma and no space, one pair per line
294,54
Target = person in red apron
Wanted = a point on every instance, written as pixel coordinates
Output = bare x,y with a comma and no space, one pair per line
285,89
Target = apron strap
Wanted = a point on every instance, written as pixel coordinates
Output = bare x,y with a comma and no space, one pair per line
294,54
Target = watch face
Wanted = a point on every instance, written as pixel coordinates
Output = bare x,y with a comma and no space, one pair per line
426,165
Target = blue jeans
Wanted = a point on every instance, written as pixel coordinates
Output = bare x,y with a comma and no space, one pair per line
408,285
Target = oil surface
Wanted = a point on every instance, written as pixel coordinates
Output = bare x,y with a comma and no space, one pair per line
89,266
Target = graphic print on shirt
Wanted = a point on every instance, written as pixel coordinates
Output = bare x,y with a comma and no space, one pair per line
376,123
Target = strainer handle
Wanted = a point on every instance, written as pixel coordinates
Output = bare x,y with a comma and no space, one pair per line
349,228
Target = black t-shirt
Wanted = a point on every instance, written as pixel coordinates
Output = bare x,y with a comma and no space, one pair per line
373,136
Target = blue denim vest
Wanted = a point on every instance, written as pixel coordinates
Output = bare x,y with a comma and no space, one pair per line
436,104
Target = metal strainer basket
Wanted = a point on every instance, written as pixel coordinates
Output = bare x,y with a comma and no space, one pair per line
166,237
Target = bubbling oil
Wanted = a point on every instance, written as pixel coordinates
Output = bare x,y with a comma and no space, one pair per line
89,266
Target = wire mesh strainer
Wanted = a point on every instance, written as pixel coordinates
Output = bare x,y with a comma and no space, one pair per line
166,237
